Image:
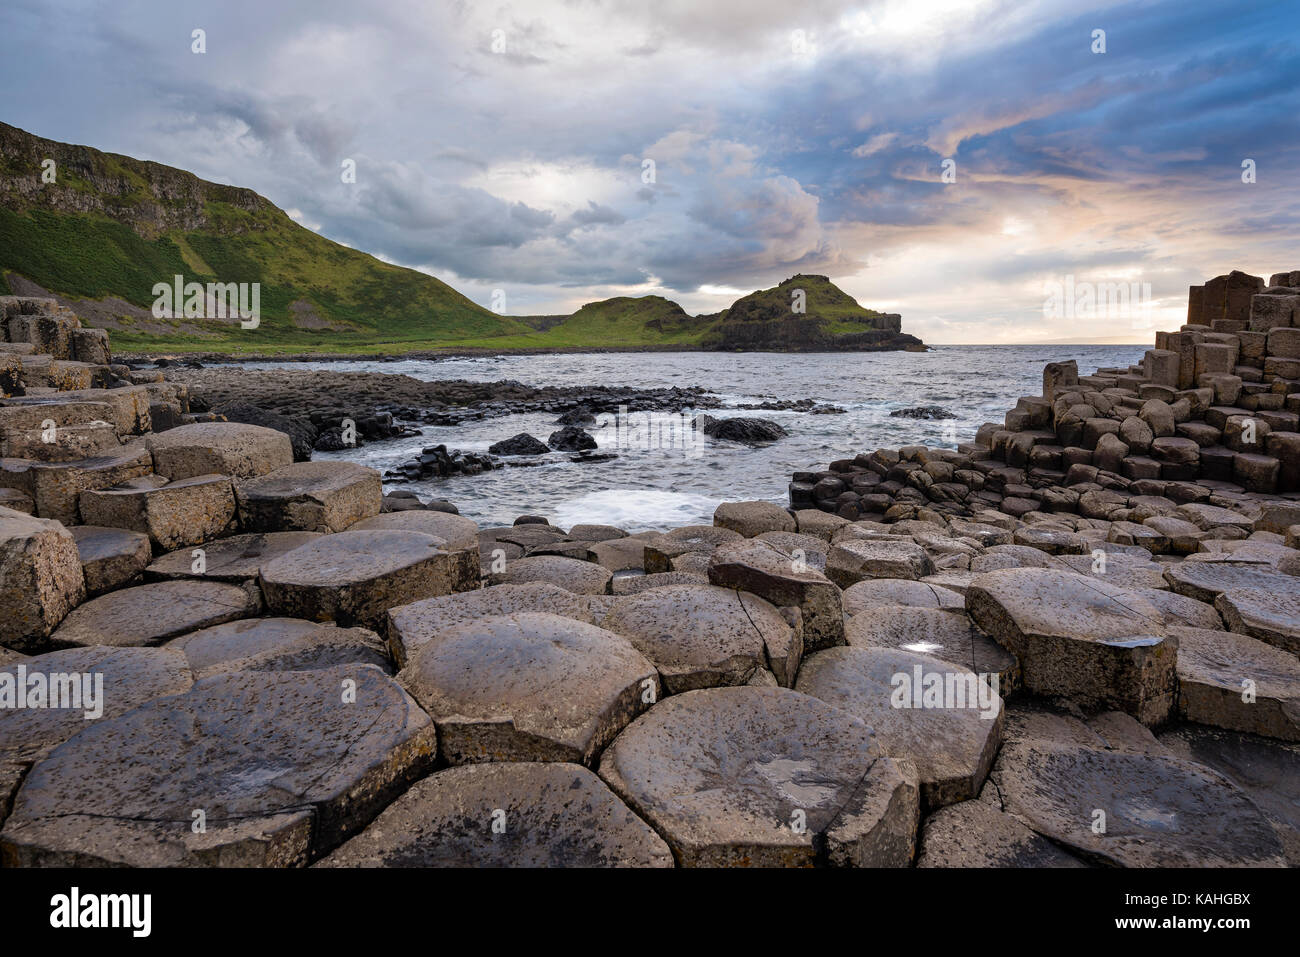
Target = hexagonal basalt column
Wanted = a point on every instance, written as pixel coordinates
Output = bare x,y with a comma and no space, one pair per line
530,686
764,777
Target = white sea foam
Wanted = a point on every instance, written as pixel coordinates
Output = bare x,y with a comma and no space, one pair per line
635,509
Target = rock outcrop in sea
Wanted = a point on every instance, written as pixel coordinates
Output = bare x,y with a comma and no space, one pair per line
806,313
1003,655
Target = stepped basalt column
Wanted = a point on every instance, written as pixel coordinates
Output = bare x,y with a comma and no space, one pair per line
1216,403
117,456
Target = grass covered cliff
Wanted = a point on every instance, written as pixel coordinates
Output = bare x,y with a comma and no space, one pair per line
99,230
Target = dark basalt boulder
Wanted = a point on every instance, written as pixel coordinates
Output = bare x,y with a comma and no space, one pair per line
332,423
580,415
749,431
521,444
811,406
437,462
571,439
331,440
923,412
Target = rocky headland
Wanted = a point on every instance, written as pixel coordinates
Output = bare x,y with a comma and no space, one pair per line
1069,642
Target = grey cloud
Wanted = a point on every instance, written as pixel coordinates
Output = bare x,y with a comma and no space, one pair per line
1140,145
595,213
458,155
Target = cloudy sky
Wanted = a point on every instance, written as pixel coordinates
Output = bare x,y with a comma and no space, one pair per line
505,145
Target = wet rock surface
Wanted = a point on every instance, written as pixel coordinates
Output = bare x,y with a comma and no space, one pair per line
279,644
1080,638
529,687
521,444
355,577
976,834
1261,767
126,791
763,777
699,636
923,412
108,682
571,438
1156,810
151,614
233,560
545,815
936,633
951,742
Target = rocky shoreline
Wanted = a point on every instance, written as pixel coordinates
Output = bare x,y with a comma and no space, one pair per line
375,401
427,355
449,352
1038,649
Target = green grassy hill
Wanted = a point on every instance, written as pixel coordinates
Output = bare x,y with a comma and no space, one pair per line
109,227
624,322
831,320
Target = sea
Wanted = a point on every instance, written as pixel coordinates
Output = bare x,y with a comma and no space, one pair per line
667,474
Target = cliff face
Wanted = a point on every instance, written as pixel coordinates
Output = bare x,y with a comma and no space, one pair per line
149,197
807,313
804,334
105,229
